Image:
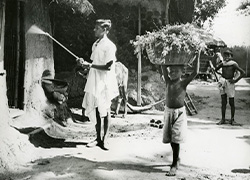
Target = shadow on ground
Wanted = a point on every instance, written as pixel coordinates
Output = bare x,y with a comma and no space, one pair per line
242,171
62,167
41,139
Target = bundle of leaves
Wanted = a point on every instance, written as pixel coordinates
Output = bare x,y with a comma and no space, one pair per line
244,8
179,38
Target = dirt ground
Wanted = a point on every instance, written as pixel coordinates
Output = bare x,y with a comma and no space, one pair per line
136,152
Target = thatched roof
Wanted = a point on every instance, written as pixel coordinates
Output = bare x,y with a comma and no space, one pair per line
85,7
136,2
149,4
82,6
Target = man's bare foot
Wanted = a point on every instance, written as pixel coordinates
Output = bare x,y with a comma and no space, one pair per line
172,171
124,116
105,146
221,122
178,163
94,143
234,123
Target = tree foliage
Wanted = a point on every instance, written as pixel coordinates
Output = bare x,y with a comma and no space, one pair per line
82,6
207,10
244,8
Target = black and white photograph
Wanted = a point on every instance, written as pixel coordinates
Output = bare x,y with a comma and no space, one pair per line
124,89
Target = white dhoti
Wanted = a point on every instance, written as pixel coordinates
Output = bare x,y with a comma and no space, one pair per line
101,86
226,87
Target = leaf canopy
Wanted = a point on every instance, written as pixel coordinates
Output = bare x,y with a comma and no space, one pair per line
82,6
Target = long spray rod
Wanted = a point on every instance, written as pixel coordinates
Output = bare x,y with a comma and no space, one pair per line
36,30
61,45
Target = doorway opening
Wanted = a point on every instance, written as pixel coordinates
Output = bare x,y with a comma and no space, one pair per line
14,52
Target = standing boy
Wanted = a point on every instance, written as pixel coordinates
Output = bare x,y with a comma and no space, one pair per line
230,76
175,121
101,86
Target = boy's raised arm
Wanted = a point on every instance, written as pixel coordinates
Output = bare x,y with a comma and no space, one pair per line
165,72
196,67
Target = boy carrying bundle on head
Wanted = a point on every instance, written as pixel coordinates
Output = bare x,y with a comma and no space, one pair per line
175,121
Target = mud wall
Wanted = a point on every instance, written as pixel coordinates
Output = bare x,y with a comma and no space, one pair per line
39,48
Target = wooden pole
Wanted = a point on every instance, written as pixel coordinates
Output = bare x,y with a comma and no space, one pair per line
17,68
166,11
247,60
139,61
62,45
2,27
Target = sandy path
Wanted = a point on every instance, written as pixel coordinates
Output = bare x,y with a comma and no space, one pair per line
211,152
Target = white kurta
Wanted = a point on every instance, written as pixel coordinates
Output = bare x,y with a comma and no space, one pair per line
101,86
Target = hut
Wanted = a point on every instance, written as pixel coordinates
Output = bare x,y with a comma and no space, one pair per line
25,56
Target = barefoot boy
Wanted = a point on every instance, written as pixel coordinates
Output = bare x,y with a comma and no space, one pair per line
230,76
175,122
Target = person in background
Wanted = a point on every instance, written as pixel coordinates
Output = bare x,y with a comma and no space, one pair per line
121,72
101,86
219,57
231,73
55,91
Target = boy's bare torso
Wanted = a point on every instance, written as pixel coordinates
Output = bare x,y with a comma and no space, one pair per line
228,72
175,93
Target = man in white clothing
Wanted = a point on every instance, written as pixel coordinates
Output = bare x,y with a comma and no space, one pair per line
101,86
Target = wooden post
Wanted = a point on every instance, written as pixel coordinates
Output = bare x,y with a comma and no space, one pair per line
17,56
139,61
2,27
166,11
248,47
